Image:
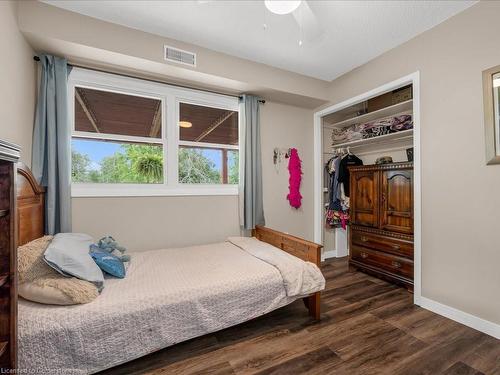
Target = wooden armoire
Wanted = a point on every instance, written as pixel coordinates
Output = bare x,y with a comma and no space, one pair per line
381,232
9,154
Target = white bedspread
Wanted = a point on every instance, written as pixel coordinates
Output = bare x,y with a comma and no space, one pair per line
300,278
168,296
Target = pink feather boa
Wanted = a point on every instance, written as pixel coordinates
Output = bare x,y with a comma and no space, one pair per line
295,170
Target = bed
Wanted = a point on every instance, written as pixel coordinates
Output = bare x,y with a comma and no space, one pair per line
168,296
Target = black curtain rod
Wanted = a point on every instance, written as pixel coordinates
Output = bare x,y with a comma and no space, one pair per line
260,100
36,58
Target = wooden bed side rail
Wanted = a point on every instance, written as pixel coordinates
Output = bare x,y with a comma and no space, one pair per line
303,249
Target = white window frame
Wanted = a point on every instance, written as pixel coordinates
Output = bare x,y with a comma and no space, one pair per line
171,97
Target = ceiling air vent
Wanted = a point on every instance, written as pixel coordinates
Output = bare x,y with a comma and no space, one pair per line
180,56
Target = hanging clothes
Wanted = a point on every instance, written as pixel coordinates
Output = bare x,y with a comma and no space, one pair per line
337,213
330,220
343,170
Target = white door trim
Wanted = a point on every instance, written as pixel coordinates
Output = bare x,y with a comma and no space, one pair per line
413,79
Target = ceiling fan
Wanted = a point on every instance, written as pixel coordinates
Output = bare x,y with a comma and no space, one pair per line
310,28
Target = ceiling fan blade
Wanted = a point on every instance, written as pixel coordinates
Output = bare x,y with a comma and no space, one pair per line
306,19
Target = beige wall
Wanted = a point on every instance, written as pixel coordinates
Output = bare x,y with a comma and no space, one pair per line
460,194
17,82
143,223
115,47
285,126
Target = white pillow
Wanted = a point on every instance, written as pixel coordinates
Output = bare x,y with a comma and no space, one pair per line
58,290
68,253
43,294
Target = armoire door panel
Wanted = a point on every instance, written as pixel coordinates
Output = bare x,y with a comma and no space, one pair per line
364,198
396,196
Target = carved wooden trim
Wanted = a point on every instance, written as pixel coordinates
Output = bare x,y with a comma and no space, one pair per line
381,232
382,167
24,171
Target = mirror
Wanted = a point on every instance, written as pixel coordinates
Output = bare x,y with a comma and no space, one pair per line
491,99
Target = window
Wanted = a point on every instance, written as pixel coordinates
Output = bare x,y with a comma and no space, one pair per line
208,144
117,138
135,137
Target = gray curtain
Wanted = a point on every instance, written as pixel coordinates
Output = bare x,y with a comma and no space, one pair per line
253,207
51,154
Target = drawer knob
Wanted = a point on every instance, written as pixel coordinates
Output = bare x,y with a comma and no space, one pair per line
396,264
364,239
364,255
396,247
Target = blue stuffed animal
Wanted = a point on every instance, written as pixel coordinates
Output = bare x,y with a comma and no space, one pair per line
109,245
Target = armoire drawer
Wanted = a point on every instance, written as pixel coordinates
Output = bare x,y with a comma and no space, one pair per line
383,243
385,261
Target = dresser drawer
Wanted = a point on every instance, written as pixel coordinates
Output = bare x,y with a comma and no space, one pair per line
384,261
383,243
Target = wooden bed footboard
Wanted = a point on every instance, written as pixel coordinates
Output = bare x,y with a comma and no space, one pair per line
303,249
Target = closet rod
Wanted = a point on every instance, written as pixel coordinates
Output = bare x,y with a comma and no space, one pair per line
394,140
262,101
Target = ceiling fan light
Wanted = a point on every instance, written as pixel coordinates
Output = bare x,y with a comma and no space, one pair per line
282,7
185,124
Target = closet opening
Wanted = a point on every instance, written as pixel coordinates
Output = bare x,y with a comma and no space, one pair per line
367,182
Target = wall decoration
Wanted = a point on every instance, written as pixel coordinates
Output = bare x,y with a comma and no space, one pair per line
295,170
279,155
491,102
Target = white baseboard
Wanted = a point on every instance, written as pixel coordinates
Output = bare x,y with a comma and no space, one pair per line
459,316
328,254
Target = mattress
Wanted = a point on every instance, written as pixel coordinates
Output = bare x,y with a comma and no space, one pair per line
168,296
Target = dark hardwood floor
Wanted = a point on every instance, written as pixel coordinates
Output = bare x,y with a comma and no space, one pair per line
368,327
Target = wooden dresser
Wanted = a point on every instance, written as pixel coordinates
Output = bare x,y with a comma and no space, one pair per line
381,232
9,155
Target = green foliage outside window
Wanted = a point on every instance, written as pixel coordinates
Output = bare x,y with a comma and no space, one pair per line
144,164
195,168
132,164
233,167
80,164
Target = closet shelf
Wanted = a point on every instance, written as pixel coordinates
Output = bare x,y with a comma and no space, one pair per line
382,139
378,114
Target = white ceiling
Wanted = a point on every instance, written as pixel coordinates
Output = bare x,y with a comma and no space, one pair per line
342,35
